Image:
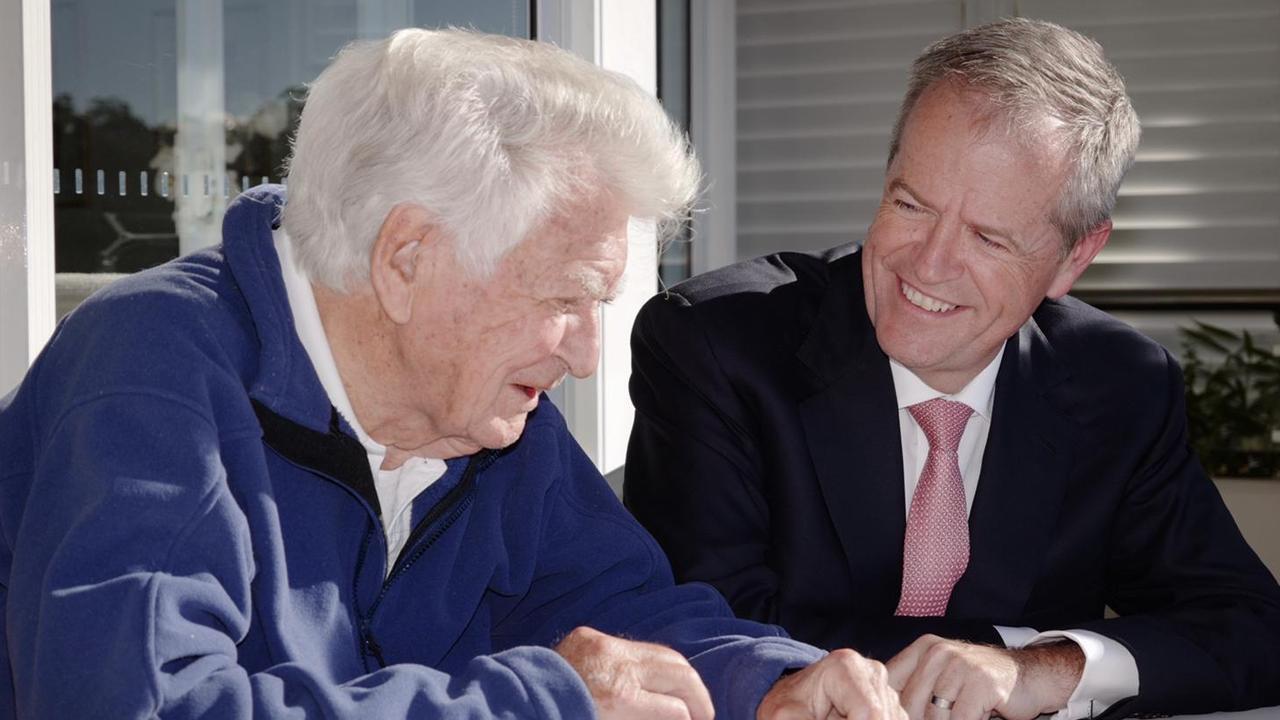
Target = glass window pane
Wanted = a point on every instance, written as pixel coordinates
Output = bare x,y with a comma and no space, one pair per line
165,109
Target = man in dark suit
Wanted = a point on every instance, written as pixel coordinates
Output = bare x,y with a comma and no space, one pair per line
926,451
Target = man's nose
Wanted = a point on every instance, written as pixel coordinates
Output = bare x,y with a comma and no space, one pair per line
580,346
938,257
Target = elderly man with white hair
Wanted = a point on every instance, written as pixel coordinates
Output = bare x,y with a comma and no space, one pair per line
311,472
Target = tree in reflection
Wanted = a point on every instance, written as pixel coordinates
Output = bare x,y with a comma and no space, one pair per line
107,136
114,232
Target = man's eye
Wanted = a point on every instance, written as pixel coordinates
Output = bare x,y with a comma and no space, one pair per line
989,242
906,206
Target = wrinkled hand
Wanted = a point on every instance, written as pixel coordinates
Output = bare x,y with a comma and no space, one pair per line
629,679
980,680
841,685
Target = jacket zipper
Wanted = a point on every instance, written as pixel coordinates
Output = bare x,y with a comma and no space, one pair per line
445,513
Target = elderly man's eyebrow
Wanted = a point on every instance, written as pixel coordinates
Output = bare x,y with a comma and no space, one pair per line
594,286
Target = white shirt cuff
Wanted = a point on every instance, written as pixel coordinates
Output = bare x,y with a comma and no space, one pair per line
1016,637
1110,673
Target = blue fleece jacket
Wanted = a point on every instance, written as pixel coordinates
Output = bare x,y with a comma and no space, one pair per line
190,529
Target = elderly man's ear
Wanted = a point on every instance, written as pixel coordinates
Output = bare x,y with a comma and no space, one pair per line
409,245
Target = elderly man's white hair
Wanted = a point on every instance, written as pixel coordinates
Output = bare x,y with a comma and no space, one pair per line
493,135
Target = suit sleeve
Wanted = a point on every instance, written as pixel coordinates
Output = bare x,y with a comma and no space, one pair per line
1199,611
131,589
695,478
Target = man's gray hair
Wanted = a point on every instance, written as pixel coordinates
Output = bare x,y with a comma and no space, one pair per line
1034,70
493,135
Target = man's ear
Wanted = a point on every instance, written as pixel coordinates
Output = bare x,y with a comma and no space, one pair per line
1071,267
408,239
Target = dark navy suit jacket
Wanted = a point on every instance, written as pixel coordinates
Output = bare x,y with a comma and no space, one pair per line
766,458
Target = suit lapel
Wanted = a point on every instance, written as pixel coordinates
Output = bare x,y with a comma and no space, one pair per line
853,438
1024,475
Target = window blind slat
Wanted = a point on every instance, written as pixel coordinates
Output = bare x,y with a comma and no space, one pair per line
1087,14
846,181
773,7
1163,38
1207,175
1248,138
1177,273
830,117
778,216
854,23
889,53
817,151
811,86
1245,67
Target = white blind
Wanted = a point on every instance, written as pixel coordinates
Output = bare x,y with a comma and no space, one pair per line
819,82
818,88
1201,208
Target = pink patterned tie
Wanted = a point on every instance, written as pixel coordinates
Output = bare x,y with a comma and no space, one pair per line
936,550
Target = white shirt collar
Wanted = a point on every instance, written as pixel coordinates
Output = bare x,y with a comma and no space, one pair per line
979,394
306,317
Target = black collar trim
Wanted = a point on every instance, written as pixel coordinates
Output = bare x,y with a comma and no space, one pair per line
335,453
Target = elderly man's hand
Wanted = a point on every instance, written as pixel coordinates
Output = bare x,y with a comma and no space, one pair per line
843,684
629,679
943,679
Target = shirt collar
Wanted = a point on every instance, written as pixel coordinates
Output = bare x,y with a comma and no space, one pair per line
979,394
306,318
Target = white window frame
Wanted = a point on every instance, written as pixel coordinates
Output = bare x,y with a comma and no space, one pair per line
713,128
620,35
26,187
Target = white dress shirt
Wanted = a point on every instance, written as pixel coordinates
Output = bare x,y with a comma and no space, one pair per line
396,488
1110,673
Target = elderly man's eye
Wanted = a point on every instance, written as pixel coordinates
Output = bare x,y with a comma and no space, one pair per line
906,206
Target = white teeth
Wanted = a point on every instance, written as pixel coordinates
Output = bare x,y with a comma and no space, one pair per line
921,300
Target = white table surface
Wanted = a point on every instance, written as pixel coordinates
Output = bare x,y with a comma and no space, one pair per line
1268,713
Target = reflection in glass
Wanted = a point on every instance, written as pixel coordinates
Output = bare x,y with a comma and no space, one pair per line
157,123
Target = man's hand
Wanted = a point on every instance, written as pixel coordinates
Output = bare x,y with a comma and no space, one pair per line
629,679
973,681
843,684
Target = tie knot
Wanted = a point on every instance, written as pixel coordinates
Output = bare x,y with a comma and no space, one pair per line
943,421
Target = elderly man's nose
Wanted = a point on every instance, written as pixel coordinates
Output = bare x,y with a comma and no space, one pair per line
580,347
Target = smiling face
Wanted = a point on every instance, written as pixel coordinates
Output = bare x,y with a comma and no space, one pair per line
479,351
962,251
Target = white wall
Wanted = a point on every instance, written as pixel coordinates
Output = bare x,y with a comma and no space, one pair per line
1256,507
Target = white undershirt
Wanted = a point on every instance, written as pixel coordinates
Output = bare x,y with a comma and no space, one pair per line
1110,673
396,488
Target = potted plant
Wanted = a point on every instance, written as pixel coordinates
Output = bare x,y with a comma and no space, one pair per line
1233,401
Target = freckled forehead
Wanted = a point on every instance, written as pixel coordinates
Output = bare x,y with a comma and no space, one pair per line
573,252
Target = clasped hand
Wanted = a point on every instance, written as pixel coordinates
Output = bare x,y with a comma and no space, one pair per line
941,679
629,679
